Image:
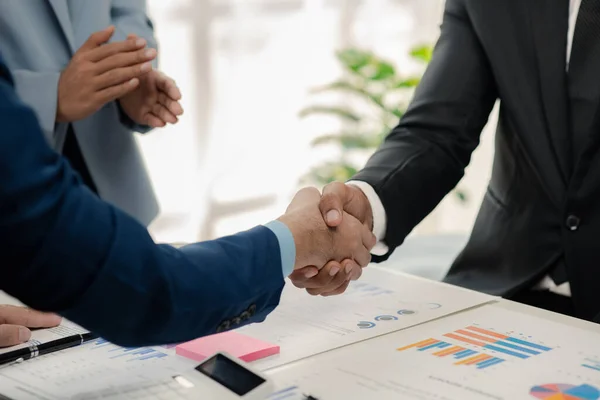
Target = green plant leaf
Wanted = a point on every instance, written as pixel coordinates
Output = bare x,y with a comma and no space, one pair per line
344,113
407,83
461,195
350,141
382,70
330,172
354,59
352,88
422,53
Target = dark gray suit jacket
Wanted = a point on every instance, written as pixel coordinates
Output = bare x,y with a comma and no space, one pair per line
541,207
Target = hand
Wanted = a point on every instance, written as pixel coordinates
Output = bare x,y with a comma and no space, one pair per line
155,102
337,198
331,280
16,321
100,73
316,244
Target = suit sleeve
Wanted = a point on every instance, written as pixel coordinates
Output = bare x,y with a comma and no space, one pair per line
67,251
131,16
40,91
424,157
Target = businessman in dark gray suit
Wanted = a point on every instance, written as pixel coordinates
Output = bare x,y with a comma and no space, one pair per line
536,237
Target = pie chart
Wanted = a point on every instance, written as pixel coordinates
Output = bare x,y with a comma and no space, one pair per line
561,391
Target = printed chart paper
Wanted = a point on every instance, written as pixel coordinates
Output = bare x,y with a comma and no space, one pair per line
379,303
92,366
487,353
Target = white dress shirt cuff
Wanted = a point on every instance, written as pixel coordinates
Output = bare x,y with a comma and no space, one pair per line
379,216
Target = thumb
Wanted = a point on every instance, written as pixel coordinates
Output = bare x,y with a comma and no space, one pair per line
11,335
332,203
303,198
98,38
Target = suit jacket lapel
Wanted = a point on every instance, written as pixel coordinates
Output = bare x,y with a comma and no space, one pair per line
61,11
550,24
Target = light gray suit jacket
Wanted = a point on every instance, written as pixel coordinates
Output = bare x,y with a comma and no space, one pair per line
37,40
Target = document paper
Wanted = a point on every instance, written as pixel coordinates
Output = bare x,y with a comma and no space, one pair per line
488,353
381,302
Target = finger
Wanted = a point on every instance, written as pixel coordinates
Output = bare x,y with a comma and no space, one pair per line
362,256
153,121
163,113
97,39
114,92
338,291
304,197
353,270
120,75
368,238
27,317
110,49
338,278
303,274
332,203
126,59
132,36
322,279
168,86
11,335
172,105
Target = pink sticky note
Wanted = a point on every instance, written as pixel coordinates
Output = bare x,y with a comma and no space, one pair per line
241,346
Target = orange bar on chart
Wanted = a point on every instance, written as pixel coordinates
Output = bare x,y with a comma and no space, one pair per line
476,336
486,332
464,339
482,358
419,344
447,352
473,360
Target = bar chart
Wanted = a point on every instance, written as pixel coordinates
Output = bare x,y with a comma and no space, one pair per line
485,341
592,363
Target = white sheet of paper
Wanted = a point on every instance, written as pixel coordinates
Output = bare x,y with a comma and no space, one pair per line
381,302
65,329
539,358
93,366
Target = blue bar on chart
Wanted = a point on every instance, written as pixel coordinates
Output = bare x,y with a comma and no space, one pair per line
528,344
519,348
439,345
154,355
489,363
505,351
465,353
592,364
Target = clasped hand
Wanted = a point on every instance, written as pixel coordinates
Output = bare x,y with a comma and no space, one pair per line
328,254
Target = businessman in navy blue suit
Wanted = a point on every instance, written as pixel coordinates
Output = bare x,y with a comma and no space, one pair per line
68,252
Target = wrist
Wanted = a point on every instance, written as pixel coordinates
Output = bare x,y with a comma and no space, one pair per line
307,240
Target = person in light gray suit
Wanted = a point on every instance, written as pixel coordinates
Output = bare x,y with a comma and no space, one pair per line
87,67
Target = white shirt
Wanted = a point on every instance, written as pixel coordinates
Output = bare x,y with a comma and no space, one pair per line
380,217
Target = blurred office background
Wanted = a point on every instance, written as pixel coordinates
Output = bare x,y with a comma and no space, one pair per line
246,68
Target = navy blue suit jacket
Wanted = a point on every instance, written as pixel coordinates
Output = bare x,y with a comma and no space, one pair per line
66,251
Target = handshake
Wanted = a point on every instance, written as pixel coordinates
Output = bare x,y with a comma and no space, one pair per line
333,236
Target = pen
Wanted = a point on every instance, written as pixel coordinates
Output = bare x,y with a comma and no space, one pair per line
45,348
309,397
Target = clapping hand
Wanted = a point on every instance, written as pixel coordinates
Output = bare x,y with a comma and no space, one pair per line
155,101
16,321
